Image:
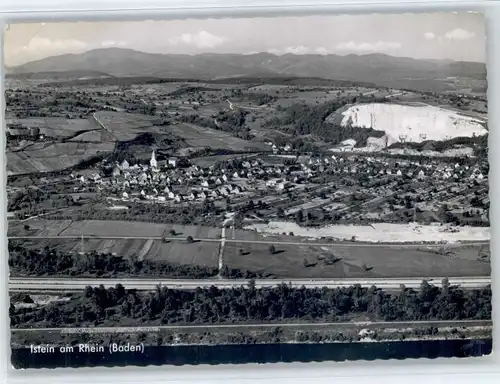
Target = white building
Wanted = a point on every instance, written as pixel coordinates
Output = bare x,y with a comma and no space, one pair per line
125,165
143,178
153,163
271,183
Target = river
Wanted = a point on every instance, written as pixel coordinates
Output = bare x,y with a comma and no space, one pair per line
256,353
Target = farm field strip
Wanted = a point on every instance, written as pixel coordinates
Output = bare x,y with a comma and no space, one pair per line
287,260
202,254
201,136
56,156
59,126
108,228
353,261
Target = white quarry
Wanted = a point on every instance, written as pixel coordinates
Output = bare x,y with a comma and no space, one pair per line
404,123
378,232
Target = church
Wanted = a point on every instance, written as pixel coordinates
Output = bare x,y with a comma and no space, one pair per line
153,163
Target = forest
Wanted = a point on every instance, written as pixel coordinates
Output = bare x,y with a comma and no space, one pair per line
248,304
232,122
479,143
301,119
31,199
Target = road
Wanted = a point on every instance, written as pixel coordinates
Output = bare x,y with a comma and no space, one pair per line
149,284
241,106
339,325
221,249
226,240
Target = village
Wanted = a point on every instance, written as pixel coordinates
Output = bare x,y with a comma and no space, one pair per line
345,188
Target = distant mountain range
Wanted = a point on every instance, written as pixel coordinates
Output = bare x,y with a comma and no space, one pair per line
373,68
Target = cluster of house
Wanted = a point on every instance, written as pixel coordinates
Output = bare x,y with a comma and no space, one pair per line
19,131
279,148
171,182
378,166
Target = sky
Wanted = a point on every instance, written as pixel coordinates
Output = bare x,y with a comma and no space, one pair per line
455,36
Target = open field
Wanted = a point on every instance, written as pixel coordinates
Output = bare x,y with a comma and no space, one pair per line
117,121
57,126
379,261
124,126
48,157
197,136
109,228
179,252
90,136
209,161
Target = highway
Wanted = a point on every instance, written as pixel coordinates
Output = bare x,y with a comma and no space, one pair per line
241,241
77,284
339,325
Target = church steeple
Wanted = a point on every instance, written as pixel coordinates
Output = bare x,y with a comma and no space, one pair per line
153,162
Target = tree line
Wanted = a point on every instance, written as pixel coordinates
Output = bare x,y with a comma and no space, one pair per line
248,304
49,261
